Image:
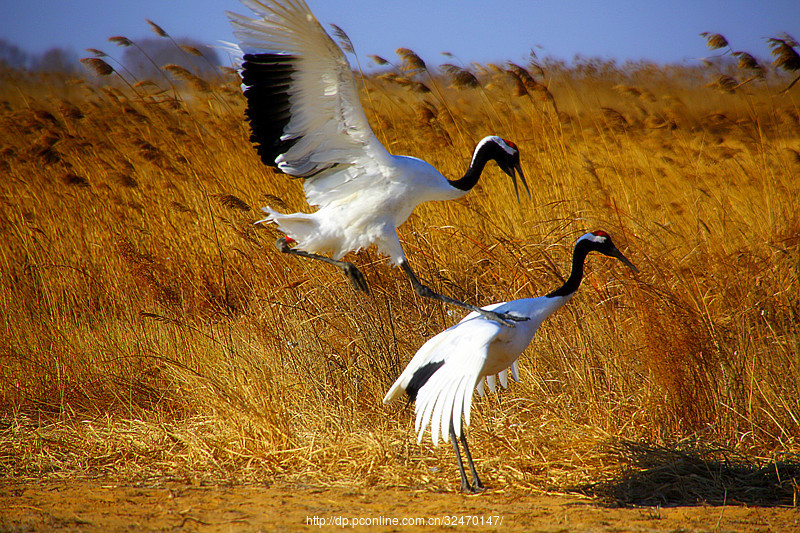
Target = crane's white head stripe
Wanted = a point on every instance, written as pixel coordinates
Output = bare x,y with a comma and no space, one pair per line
496,140
594,238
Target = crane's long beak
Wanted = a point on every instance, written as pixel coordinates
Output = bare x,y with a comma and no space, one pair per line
518,169
616,253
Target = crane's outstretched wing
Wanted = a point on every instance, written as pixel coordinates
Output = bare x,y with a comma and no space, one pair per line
305,115
447,395
443,374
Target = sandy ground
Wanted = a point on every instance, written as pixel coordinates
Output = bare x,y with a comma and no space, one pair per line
95,506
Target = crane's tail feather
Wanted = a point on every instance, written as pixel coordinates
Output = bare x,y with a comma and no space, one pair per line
503,376
299,226
304,228
491,381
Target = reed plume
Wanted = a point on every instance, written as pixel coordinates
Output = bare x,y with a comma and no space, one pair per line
344,41
137,290
378,60
525,77
724,83
412,63
714,41
100,67
459,76
232,202
158,30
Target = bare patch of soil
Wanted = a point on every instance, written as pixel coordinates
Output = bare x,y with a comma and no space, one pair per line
87,506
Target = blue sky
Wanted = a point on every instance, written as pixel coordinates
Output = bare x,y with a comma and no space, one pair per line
472,30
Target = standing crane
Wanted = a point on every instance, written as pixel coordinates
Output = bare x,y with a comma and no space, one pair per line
442,375
307,121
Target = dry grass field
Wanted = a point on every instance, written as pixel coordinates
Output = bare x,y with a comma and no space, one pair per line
152,333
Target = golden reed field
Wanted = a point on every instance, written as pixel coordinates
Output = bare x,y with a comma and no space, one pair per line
152,333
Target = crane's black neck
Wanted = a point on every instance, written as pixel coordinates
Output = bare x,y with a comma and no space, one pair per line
484,153
582,249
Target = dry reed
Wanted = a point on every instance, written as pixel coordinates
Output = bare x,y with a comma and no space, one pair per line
152,332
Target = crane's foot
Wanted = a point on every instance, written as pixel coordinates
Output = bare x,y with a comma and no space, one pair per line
356,277
350,270
506,319
471,489
282,245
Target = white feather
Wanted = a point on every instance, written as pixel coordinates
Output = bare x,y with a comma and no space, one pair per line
363,193
503,376
474,351
491,381
448,367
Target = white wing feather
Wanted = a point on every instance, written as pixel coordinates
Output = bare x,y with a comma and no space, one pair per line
447,395
326,114
473,349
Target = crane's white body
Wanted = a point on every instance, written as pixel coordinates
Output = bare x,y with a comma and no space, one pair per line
358,207
362,191
471,351
443,374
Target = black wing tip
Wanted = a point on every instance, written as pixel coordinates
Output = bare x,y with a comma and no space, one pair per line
268,57
267,78
420,378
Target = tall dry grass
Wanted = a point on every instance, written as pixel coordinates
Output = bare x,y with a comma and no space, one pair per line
152,332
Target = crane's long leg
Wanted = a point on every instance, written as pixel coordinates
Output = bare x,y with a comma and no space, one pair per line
477,486
465,486
356,277
425,291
